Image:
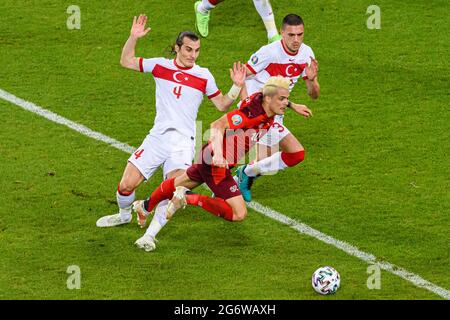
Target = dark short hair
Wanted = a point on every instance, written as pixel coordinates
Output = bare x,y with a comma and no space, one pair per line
179,42
292,20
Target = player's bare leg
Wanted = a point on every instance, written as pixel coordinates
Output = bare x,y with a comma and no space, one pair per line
125,196
239,208
290,144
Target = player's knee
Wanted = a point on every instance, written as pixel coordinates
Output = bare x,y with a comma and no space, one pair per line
126,187
239,214
291,159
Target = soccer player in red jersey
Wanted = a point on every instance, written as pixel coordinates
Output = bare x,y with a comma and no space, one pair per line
293,59
231,138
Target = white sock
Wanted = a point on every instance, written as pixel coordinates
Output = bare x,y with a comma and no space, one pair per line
265,12
159,219
205,6
266,166
124,203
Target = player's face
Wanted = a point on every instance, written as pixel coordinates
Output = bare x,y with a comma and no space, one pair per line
293,37
279,102
188,53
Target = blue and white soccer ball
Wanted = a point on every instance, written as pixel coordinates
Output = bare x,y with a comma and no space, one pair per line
326,280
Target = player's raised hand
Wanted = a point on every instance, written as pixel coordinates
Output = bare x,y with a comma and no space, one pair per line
138,29
313,69
238,74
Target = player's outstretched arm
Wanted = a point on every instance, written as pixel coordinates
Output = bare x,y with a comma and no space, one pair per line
237,75
312,84
301,109
128,59
218,128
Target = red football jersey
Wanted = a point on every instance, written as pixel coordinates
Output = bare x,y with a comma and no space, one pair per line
246,126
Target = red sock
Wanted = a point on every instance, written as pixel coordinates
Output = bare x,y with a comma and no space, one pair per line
216,206
163,192
294,158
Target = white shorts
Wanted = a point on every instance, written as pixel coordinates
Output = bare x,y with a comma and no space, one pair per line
172,150
276,133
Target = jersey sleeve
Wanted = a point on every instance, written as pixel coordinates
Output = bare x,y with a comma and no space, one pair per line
211,86
310,54
237,119
259,60
147,65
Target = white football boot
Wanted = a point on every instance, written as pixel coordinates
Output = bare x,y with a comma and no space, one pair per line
142,214
178,201
146,242
111,221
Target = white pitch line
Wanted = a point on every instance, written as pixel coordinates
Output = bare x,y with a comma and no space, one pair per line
29,106
268,212
351,250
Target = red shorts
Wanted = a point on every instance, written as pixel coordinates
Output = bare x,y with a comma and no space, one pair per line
219,180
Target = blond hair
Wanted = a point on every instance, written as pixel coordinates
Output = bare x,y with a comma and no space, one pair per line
271,86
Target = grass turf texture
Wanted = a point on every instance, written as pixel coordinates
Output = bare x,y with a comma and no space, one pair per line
376,173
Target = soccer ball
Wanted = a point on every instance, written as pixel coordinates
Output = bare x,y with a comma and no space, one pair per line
326,280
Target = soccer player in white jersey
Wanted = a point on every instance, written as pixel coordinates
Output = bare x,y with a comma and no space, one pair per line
202,10
180,87
291,58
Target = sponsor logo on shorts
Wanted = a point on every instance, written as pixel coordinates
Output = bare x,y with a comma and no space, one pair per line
233,188
236,119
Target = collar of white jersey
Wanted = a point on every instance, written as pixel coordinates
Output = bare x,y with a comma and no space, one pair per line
180,67
286,50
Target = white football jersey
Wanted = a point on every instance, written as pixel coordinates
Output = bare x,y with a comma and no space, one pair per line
179,93
273,60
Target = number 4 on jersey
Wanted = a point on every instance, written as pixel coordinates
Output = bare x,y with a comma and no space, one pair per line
138,153
177,91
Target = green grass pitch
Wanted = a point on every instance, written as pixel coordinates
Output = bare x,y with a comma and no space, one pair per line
376,173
